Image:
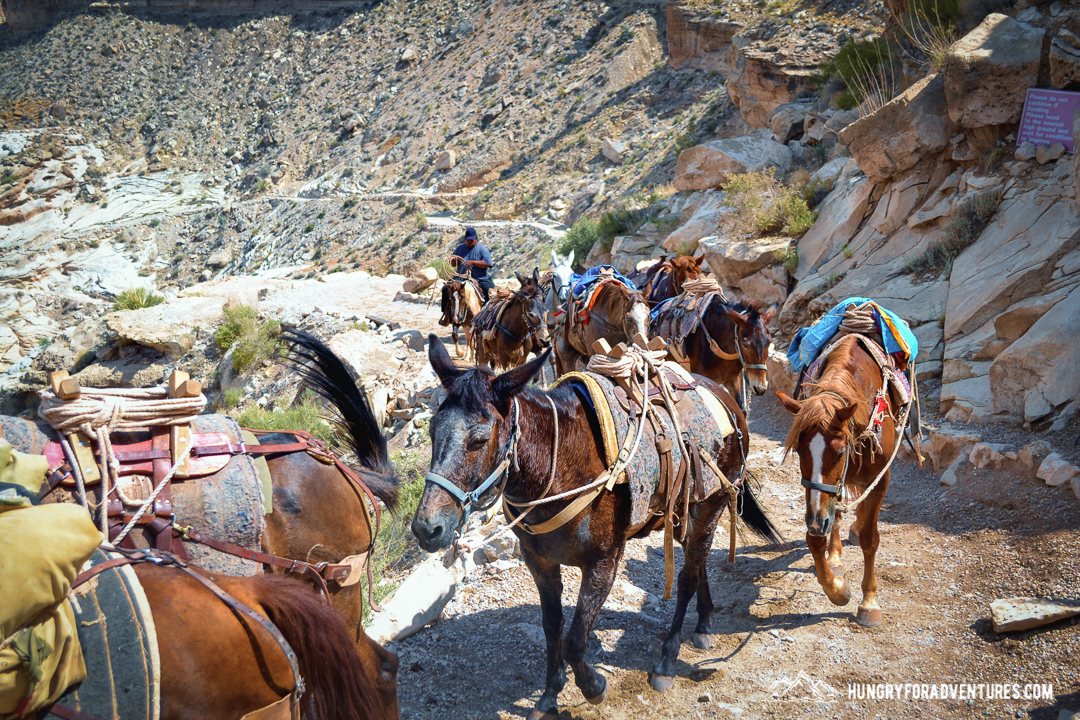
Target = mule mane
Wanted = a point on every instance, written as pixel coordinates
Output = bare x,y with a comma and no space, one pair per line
819,411
746,306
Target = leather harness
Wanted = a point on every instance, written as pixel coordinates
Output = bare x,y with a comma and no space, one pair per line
166,535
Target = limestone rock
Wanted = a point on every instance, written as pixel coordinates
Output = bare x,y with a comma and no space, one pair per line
613,150
786,121
446,160
988,71
1049,153
765,74
709,165
911,127
840,216
780,373
421,281
170,327
1031,455
696,39
1040,372
950,477
409,54
413,339
947,444
765,286
703,223
984,455
732,260
1016,614
1064,59
418,601
1055,471
479,167
219,258
1025,152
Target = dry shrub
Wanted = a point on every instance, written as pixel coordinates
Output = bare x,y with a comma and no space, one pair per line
763,204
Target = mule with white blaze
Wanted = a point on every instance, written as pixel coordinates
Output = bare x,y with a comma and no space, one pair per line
495,435
846,434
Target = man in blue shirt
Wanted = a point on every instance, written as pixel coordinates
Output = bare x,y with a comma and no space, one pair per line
476,260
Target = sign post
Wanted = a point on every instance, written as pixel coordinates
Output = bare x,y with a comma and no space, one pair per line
1048,118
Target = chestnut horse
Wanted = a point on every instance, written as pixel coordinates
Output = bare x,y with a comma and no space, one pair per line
617,315
838,450
667,281
730,346
465,304
217,664
521,329
490,424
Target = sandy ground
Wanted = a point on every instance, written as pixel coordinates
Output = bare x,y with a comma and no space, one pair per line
945,554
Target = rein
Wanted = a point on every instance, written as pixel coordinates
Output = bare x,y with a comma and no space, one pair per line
719,352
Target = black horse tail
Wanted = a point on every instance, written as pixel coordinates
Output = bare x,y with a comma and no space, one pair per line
755,518
334,381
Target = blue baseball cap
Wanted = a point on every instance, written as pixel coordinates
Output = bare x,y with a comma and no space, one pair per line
470,233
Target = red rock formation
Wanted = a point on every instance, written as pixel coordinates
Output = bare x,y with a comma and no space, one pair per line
696,39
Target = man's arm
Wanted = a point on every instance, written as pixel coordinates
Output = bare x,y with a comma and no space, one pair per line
483,263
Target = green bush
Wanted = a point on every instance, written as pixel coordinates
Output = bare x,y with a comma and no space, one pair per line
136,298
763,204
581,238
303,415
251,340
232,397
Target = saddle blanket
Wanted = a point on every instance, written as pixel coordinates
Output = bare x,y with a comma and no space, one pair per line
701,415
895,333
580,284
119,644
677,317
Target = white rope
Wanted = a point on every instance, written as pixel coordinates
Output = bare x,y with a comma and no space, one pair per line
632,363
153,496
702,286
901,424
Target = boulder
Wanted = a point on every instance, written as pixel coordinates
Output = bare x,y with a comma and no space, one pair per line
765,286
1049,153
1040,373
409,54
1064,59
613,150
950,476
786,121
780,373
171,327
417,601
947,444
219,258
413,339
988,71
480,167
1031,455
1055,471
766,74
984,455
1025,152
422,280
446,160
732,260
709,165
839,217
703,223
912,126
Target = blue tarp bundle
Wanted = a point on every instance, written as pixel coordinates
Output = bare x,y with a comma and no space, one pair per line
809,341
581,283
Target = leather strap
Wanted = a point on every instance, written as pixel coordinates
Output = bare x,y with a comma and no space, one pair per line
732,490
63,711
820,487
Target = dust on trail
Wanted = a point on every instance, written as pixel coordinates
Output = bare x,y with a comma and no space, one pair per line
944,556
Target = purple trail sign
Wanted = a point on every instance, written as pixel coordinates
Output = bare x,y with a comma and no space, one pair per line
1048,117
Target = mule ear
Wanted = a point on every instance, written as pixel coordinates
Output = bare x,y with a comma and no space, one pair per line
570,258
440,361
554,259
844,414
768,315
536,275
520,279
511,382
793,406
737,318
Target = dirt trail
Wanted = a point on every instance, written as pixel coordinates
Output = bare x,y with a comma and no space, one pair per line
945,554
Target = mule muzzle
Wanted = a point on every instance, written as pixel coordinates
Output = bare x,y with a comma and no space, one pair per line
435,533
820,524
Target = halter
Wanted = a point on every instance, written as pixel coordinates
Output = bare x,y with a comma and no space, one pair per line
525,317
715,348
470,501
839,487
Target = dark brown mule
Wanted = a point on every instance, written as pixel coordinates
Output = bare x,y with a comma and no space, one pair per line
668,281
522,328
731,346
217,664
473,438
617,315
835,453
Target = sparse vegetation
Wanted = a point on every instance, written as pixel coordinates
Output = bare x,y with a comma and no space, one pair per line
581,238
252,340
137,298
306,413
964,229
232,397
763,204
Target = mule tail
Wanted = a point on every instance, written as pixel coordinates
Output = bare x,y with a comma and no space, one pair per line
755,518
337,687
334,381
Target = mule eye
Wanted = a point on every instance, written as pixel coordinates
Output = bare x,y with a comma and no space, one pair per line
479,441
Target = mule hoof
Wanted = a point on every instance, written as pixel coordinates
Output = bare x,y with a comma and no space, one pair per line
600,687
538,714
840,597
661,683
598,699
703,641
868,617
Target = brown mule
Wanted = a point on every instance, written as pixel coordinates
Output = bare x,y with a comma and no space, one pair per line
519,330
465,304
617,315
217,664
488,425
668,281
835,452
731,347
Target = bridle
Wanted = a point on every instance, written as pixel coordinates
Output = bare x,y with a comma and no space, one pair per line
471,501
716,350
526,302
837,489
